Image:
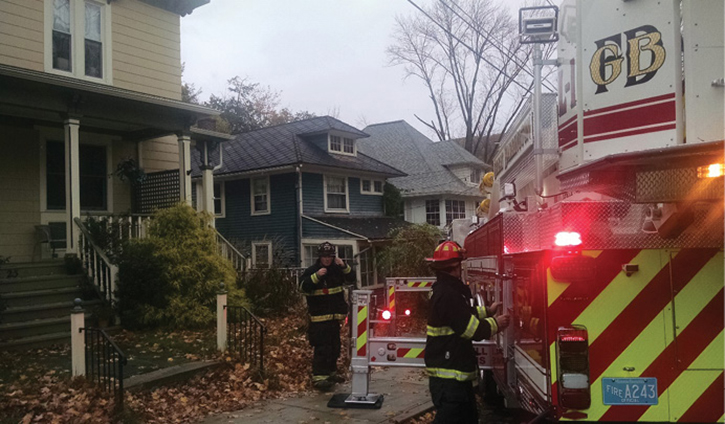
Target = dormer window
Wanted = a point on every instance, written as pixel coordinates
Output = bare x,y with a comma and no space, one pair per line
77,38
343,145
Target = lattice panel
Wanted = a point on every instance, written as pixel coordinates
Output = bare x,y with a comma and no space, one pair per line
159,190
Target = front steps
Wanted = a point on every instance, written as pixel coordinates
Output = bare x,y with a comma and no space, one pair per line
35,303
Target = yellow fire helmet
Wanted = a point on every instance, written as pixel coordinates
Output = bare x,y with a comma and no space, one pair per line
486,183
485,205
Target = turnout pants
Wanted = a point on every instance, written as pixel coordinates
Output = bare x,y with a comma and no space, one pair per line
325,340
455,401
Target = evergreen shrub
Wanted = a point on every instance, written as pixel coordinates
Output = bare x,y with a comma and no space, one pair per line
171,278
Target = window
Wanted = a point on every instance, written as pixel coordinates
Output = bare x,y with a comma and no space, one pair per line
78,38
367,268
262,255
260,196
343,145
343,251
335,143
348,146
93,176
336,194
475,176
62,58
219,200
455,209
433,212
371,187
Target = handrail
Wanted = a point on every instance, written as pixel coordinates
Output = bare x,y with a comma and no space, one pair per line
245,335
96,264
228,251
104,362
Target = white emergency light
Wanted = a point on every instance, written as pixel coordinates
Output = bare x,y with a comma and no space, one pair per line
386,315
567,239
538,24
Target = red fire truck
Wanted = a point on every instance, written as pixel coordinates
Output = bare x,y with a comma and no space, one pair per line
609,255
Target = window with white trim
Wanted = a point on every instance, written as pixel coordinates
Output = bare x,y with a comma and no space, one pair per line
77,38
219,200
433,212
455,209
260,196
371,186
262,255
344,145
475,177
336,199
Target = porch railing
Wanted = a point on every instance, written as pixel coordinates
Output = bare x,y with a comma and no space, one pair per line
96,264
104,363
245,335
229,252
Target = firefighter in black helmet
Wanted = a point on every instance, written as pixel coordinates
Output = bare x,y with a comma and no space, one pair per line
322,284
453,324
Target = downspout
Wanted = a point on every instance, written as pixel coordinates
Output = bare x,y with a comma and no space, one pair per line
298,170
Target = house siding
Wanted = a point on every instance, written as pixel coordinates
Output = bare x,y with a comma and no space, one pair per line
364,204
146,49
161,154
313,202
360,205
145,44
19,192
21,34
242,228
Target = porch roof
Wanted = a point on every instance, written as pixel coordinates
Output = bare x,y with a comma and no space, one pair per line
42,97
372,228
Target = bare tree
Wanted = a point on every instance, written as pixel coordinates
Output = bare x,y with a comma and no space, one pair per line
468,56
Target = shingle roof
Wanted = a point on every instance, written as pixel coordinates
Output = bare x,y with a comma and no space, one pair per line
286,144
427,163
373,228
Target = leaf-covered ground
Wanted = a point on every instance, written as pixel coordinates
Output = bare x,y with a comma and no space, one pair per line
39,393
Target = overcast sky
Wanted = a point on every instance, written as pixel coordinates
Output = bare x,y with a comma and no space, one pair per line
324,56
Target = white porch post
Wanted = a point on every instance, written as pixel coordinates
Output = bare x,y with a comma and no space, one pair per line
72,182
207,182
185,167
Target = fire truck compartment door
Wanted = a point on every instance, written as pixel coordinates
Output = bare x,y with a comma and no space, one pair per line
697,308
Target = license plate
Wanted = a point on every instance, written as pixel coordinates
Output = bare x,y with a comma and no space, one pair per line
629,391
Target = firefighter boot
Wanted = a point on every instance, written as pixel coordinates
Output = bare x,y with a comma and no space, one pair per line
321,383
336,378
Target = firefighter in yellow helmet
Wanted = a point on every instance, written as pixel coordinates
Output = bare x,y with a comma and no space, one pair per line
453,324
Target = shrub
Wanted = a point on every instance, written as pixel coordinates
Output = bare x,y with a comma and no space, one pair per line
271,290
410,246
172,277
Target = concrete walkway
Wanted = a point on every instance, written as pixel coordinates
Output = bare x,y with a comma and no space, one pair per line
405,390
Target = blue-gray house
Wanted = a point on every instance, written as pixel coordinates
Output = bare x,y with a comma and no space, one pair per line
282,190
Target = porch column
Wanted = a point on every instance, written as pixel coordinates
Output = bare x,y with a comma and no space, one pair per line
207,183
72,182
185,167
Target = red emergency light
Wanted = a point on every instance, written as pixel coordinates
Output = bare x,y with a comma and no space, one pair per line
386,315
407,312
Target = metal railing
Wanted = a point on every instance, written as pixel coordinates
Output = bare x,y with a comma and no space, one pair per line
100,270
229,252
245,335
104,363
